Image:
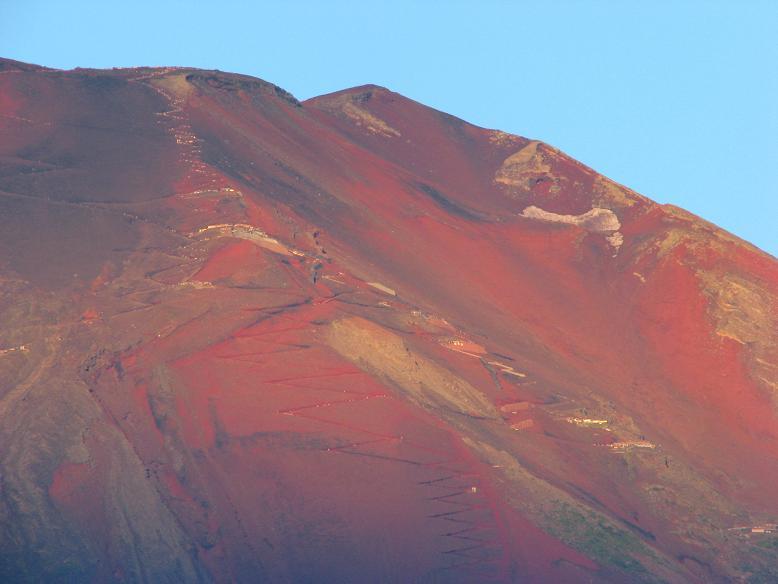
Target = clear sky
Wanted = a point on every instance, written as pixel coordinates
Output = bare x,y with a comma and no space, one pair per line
676,99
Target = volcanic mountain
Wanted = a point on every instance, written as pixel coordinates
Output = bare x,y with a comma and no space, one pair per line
355,339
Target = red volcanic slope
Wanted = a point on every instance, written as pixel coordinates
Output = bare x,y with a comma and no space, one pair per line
356,339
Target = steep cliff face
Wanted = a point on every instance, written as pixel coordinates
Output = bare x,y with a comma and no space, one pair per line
357,339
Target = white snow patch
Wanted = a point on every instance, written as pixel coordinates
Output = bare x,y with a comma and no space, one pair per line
382,288
597,220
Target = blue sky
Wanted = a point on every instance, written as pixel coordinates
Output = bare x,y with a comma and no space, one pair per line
678,100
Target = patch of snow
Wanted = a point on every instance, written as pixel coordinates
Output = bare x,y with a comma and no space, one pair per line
251,233
382,288
20,348
597,220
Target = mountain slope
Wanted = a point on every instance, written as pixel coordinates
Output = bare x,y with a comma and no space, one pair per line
355,338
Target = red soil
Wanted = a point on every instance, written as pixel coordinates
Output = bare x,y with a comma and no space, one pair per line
272,453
